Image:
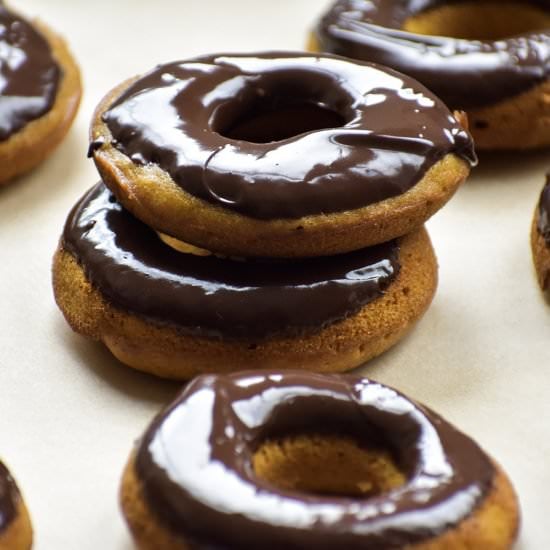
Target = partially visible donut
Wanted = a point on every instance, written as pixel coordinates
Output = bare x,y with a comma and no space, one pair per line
15,523
540,238
177,314
266,459
489,58
279,154
39,93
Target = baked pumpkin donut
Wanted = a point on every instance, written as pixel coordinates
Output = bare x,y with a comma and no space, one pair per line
540,237
266,459
489,58
279,154
39,92
177,315
15,523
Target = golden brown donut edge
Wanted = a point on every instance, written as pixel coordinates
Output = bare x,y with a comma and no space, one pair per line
167,352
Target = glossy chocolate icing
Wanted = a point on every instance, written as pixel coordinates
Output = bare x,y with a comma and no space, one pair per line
543,222
362,134
9,495
194,464
211,296
464,73
29,75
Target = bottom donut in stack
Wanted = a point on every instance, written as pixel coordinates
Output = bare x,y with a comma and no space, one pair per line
296,460
178,314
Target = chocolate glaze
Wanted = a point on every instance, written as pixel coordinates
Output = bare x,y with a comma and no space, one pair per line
29,75
543,222
363,134
464,73
211,296
194,464
9,496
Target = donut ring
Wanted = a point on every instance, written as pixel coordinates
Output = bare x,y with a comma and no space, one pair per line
540,237
40,96
503,84
278,155
194,479
177,315
15,523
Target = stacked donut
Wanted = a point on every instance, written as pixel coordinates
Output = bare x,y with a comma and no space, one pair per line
261,208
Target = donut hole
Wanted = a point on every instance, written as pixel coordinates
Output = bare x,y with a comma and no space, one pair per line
327,465
275,120
479,20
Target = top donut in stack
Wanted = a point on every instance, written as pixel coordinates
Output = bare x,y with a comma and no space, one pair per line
279,155
270,210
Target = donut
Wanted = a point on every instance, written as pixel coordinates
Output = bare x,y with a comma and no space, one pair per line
177,315
295,460
540,237
40,92
279,154
15,523
490,58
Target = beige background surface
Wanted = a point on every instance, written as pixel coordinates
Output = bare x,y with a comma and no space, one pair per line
69,412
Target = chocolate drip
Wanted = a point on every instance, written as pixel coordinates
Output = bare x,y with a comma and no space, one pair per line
194,464
211,296
9,496
464,73
29,75
363,134
543,222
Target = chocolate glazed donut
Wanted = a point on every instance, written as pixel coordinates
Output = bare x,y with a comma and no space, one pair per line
474,75
28,85
308,173
39,92
279,154
176,314
193,473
